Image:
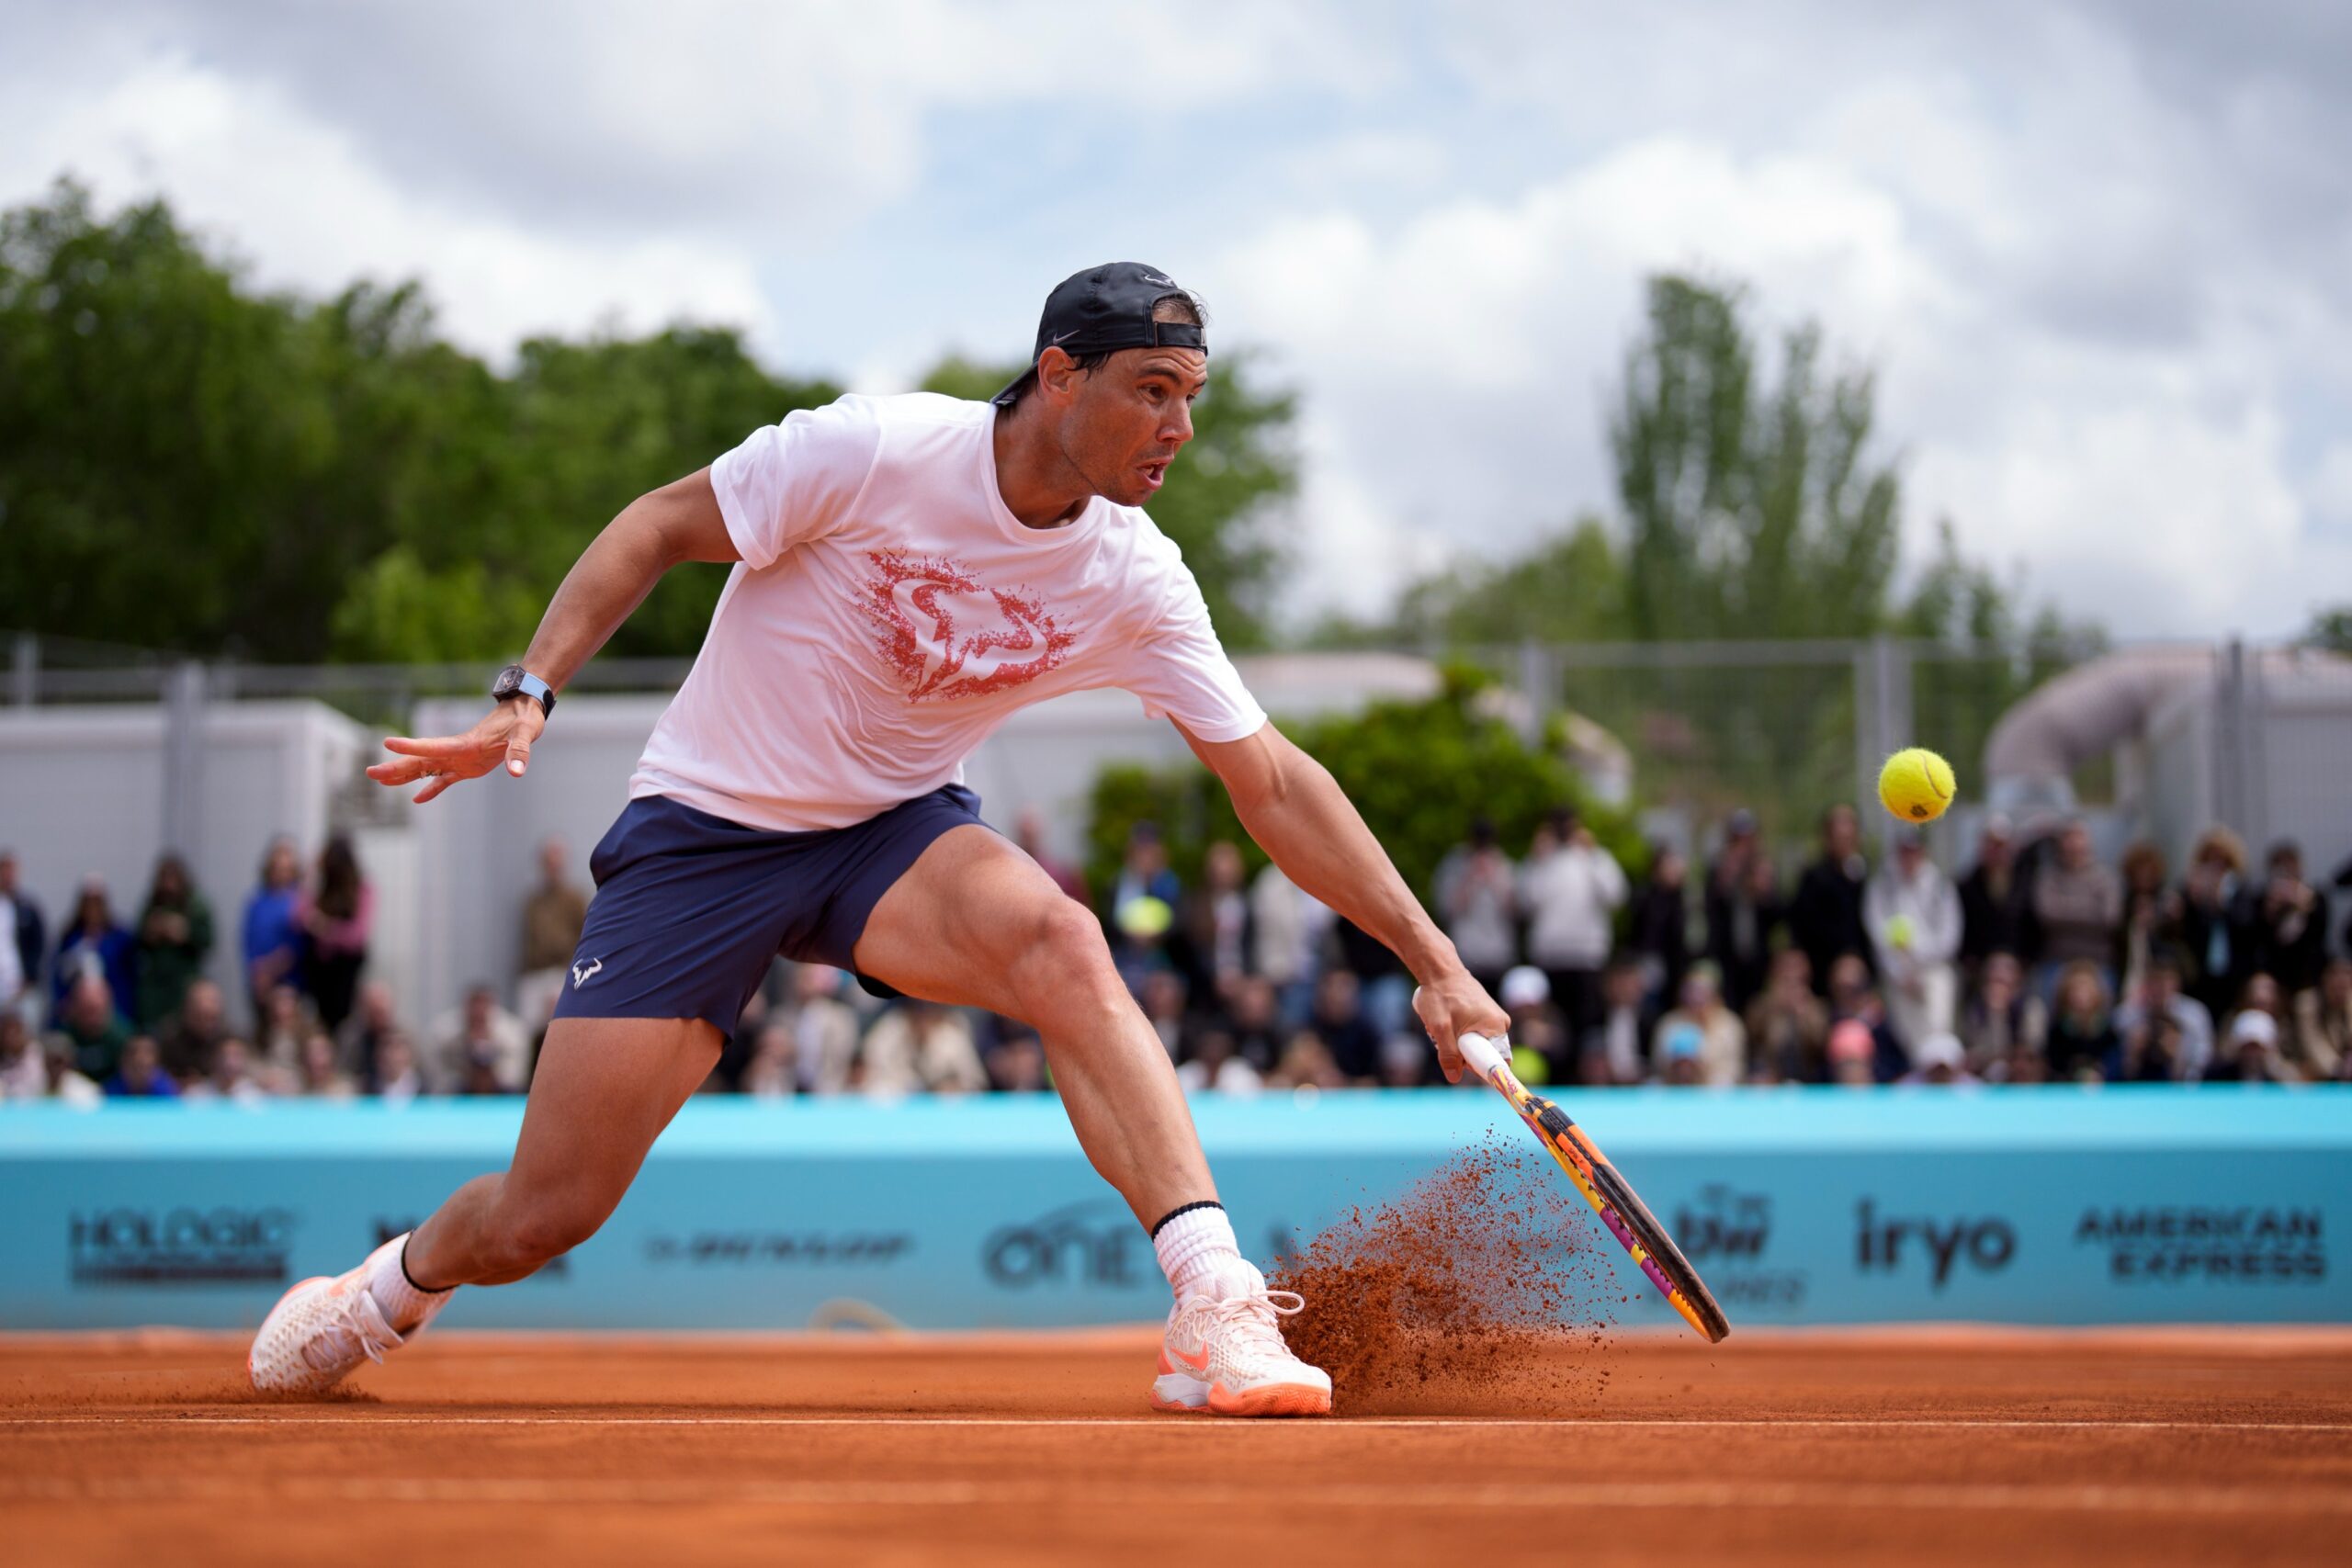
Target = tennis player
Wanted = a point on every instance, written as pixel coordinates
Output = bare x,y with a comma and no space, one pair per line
907,572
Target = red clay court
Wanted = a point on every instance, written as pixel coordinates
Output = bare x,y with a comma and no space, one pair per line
1880,1445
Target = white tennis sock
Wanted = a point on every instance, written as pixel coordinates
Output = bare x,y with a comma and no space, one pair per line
1191,1243
403,1304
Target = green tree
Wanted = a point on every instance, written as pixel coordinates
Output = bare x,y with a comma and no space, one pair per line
1750,510
2331,630
1218,504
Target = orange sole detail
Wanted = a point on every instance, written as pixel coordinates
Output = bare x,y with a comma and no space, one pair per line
1273,1399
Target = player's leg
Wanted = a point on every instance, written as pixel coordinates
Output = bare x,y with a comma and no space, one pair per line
974,922
605,1089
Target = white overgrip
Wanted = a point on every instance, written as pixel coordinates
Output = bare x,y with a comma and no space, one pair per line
1485,1056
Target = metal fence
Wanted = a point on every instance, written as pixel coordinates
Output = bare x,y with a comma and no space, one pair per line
1686,732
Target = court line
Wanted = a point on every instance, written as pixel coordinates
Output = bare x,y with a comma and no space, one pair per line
368,1417
1845,1497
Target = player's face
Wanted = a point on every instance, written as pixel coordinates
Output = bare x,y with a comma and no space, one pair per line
1128,419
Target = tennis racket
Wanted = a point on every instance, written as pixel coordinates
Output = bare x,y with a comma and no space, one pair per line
1611,1198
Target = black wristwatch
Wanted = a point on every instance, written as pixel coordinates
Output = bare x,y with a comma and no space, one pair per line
516,682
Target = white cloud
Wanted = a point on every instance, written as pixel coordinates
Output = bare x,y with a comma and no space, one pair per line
313,211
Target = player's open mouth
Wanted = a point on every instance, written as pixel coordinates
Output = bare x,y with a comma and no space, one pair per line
1153,474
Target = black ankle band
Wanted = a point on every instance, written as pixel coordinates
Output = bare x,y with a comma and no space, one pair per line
1179,1208
412,1285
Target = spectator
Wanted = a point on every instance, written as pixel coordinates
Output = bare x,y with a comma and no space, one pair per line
1940,1061
174,935
1571,895
2321,1047
2078,906
318,1074
1289,924
2260,994
1788,1026
1722,1056
1612,1050
273,933
824,1030
1307,1064
93,942
1535,1023
24,942
1852,1052
2148,912
1388,988
2004,1027
90,1030
1681,1053
360,1042
23,1075
233,1076
2083,1045
1029,835
1852,999
398,1078
1016,1063
1255,1023
1214,1062
2158,1007
1164,1008
482,1048
1349,1037
203,1022
2252,1054
1743,905
1913,916
2286,923
1477,904
1658,924
2206,916
336,917
1144,873
1215,927
1996,906
773,1073
1826,915
65,1084
1407,1060
278,1034
139,1073
918,1045
552,917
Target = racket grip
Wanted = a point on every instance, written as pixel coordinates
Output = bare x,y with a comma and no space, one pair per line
1485,1056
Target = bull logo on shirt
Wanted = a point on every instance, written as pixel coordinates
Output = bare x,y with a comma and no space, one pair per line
947,634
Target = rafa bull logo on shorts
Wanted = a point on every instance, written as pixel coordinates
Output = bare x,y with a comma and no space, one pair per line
946,634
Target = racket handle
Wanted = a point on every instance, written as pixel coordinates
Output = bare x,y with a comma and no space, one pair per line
1485,1056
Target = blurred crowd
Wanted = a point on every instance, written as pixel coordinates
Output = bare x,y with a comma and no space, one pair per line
2039,963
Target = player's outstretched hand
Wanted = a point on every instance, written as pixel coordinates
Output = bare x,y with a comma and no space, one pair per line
1452,1006
505,735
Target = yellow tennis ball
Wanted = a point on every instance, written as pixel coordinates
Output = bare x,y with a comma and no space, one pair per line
1916,785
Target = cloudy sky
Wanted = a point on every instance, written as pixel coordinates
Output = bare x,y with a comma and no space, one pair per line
2100,249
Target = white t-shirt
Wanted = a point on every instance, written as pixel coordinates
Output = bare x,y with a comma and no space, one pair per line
889,612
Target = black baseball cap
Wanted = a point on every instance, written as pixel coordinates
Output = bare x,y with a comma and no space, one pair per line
1105,309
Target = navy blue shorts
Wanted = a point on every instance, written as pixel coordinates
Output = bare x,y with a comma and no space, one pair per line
691,908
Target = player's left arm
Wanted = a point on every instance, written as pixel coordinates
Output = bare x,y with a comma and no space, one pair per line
1297,811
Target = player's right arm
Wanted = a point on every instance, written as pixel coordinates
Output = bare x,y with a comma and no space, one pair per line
680,522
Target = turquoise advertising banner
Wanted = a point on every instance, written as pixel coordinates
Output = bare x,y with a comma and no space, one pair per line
1799,1206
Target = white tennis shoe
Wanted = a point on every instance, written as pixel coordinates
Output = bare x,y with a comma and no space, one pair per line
324,1327
1224,1353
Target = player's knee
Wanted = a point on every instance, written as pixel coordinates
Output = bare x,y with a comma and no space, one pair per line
1062,948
